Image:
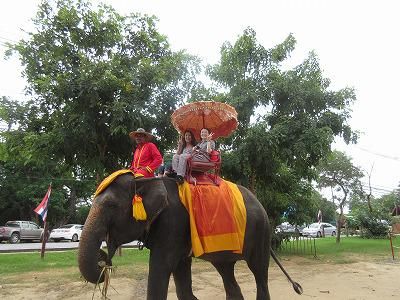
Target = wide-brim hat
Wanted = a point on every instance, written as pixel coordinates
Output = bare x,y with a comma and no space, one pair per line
148,135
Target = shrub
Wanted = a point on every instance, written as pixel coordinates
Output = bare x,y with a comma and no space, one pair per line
372,227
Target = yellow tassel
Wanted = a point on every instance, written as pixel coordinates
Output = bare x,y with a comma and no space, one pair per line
138,211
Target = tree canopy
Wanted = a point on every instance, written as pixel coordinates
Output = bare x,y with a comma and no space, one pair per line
343,178
298,119
95,75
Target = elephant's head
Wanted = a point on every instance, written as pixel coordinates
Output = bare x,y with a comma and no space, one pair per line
110,219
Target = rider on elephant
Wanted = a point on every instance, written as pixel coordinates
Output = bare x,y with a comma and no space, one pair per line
146,158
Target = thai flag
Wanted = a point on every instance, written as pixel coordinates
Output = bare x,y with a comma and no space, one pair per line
42,207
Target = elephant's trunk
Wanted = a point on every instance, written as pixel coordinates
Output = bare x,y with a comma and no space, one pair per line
91,258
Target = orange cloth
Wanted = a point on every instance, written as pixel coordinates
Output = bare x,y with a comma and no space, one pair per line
146,159
217,216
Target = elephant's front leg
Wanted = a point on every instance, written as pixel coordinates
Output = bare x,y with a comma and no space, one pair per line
183,279
159,273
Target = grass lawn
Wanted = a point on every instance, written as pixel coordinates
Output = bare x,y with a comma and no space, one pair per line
350,249
12,263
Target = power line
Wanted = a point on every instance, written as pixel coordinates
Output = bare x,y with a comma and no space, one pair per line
377,189
376,186
380,154
52,178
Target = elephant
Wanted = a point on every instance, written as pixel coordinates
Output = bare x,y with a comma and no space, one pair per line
166,233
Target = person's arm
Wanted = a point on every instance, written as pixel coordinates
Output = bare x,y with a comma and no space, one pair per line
210,143
157,158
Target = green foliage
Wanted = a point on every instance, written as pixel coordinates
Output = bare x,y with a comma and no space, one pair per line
352,223
338,173
277,154
386,203
370,222
96,75
93,76
372,228
99,75
81,214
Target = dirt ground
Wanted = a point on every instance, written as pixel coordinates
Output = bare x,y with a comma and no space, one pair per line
355,281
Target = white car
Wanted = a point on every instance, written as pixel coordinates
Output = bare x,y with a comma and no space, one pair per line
316,230
70,232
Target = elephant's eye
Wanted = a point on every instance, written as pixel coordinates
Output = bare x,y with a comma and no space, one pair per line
109,203
106,201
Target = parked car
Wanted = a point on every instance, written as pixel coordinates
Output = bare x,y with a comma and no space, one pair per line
70,232
316,230
15,231
286,227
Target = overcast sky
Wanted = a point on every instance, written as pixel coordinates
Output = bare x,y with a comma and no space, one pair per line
357,43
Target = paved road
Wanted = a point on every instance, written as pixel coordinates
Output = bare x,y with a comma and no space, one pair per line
50,246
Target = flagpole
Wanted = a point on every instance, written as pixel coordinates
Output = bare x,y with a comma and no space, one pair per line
45,234
44,240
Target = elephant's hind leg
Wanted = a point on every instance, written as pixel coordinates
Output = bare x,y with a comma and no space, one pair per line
227,272
183,279
258,265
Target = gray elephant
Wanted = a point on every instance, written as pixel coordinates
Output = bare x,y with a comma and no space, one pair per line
166,233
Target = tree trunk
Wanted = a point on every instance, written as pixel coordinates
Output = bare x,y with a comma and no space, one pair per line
72,203
100,167
339,225
252,183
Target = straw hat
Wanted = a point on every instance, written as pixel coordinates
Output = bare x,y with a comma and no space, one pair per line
148,135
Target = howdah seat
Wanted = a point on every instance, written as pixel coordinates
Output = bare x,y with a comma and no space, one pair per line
211,167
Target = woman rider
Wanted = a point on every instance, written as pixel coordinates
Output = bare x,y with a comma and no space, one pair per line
185,149
201,151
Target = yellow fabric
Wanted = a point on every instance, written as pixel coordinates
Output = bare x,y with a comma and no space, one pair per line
239,211
140,155
216,242
107,181
138,211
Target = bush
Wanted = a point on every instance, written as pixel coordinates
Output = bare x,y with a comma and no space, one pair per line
372,227
371,224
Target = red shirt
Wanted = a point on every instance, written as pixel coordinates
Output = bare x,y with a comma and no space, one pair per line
146,159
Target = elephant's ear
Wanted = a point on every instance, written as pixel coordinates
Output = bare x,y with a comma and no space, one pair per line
154,196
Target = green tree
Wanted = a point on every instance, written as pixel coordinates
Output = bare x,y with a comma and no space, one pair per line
93,76
27,167
370,216
288,120
326,206
98,75
339,174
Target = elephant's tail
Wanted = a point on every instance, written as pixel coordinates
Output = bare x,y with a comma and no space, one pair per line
297,287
